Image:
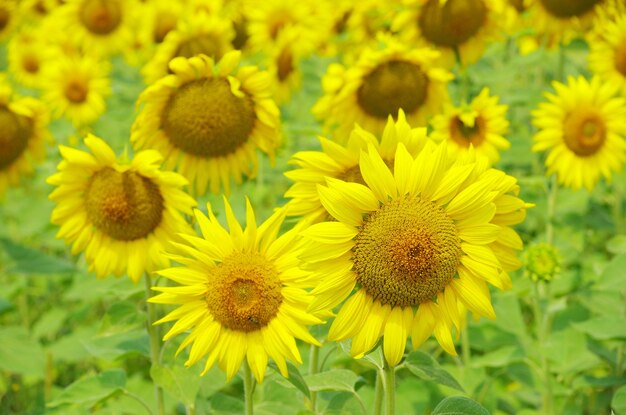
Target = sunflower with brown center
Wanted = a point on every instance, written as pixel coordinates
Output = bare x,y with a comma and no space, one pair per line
195,34
23,132
28,53
583,127
607,55
378,85
455,27
342,162
208,121
122,215
410,245
283,63
241,294
76,87
480,124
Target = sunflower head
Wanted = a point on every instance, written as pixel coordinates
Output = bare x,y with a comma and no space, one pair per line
453,22
565,9
542,262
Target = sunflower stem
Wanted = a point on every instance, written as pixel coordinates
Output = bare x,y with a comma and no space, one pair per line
542,320
314,356
466,352
618,218
552,191
248,387
389,386
155,343
379,393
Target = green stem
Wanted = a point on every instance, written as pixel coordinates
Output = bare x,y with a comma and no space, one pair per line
248,387
542,320
138,399
618,216
389,386
560,64
314,356
466,353
552,192
155,343
378,393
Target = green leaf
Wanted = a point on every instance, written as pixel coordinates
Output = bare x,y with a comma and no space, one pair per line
19,353
425,367
179,381
223,404
614,274
603,328
332,380
501,357
618,403
30,261
90,390
113,346
617,245
295,378
459,405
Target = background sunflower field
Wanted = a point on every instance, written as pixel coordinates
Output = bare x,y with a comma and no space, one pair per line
532,88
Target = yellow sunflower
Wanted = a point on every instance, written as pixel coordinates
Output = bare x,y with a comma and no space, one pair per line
283,63
76,87
121,214
23,132
583,126
342,162
100,27
481,123
197,34
241,294
410,245
379,84
451,26
8,18
28,54
208,121
607,55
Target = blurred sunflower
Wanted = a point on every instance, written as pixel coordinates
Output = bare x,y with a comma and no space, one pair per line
583,127
451,26
410,245
76,87
379,84
121,214
481,123
197,34
27,55
342,162
208,121
8,18
241,294
283,65
607,55
23,131
99,27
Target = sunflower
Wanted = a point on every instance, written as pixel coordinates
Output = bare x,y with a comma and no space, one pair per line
8,18
97,26
121,214
379,84
607,55
410,245
583,126
342,162
199,33
242,294
283,63
482,124
76,88
23,131
27,55
462,27
208,121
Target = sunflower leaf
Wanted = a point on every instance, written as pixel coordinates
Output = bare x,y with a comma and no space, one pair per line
425,367
618,403
333,380
90,390
459,405
295,378
31,261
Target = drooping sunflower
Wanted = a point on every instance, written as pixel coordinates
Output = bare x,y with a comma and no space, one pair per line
23,132
410,245
196,34
208,121
481,123
98,26
121,214
241,294
379,84
607,55
342,162
451,26
583,126
76,87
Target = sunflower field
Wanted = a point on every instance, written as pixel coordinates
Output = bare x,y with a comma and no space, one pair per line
329,207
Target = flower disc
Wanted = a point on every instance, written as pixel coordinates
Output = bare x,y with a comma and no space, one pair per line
464,135
14,136
126,206
206,119
569,8
244,293
584,133
452,24
406,253
76,91
101,17
620,58
203,43
392,86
